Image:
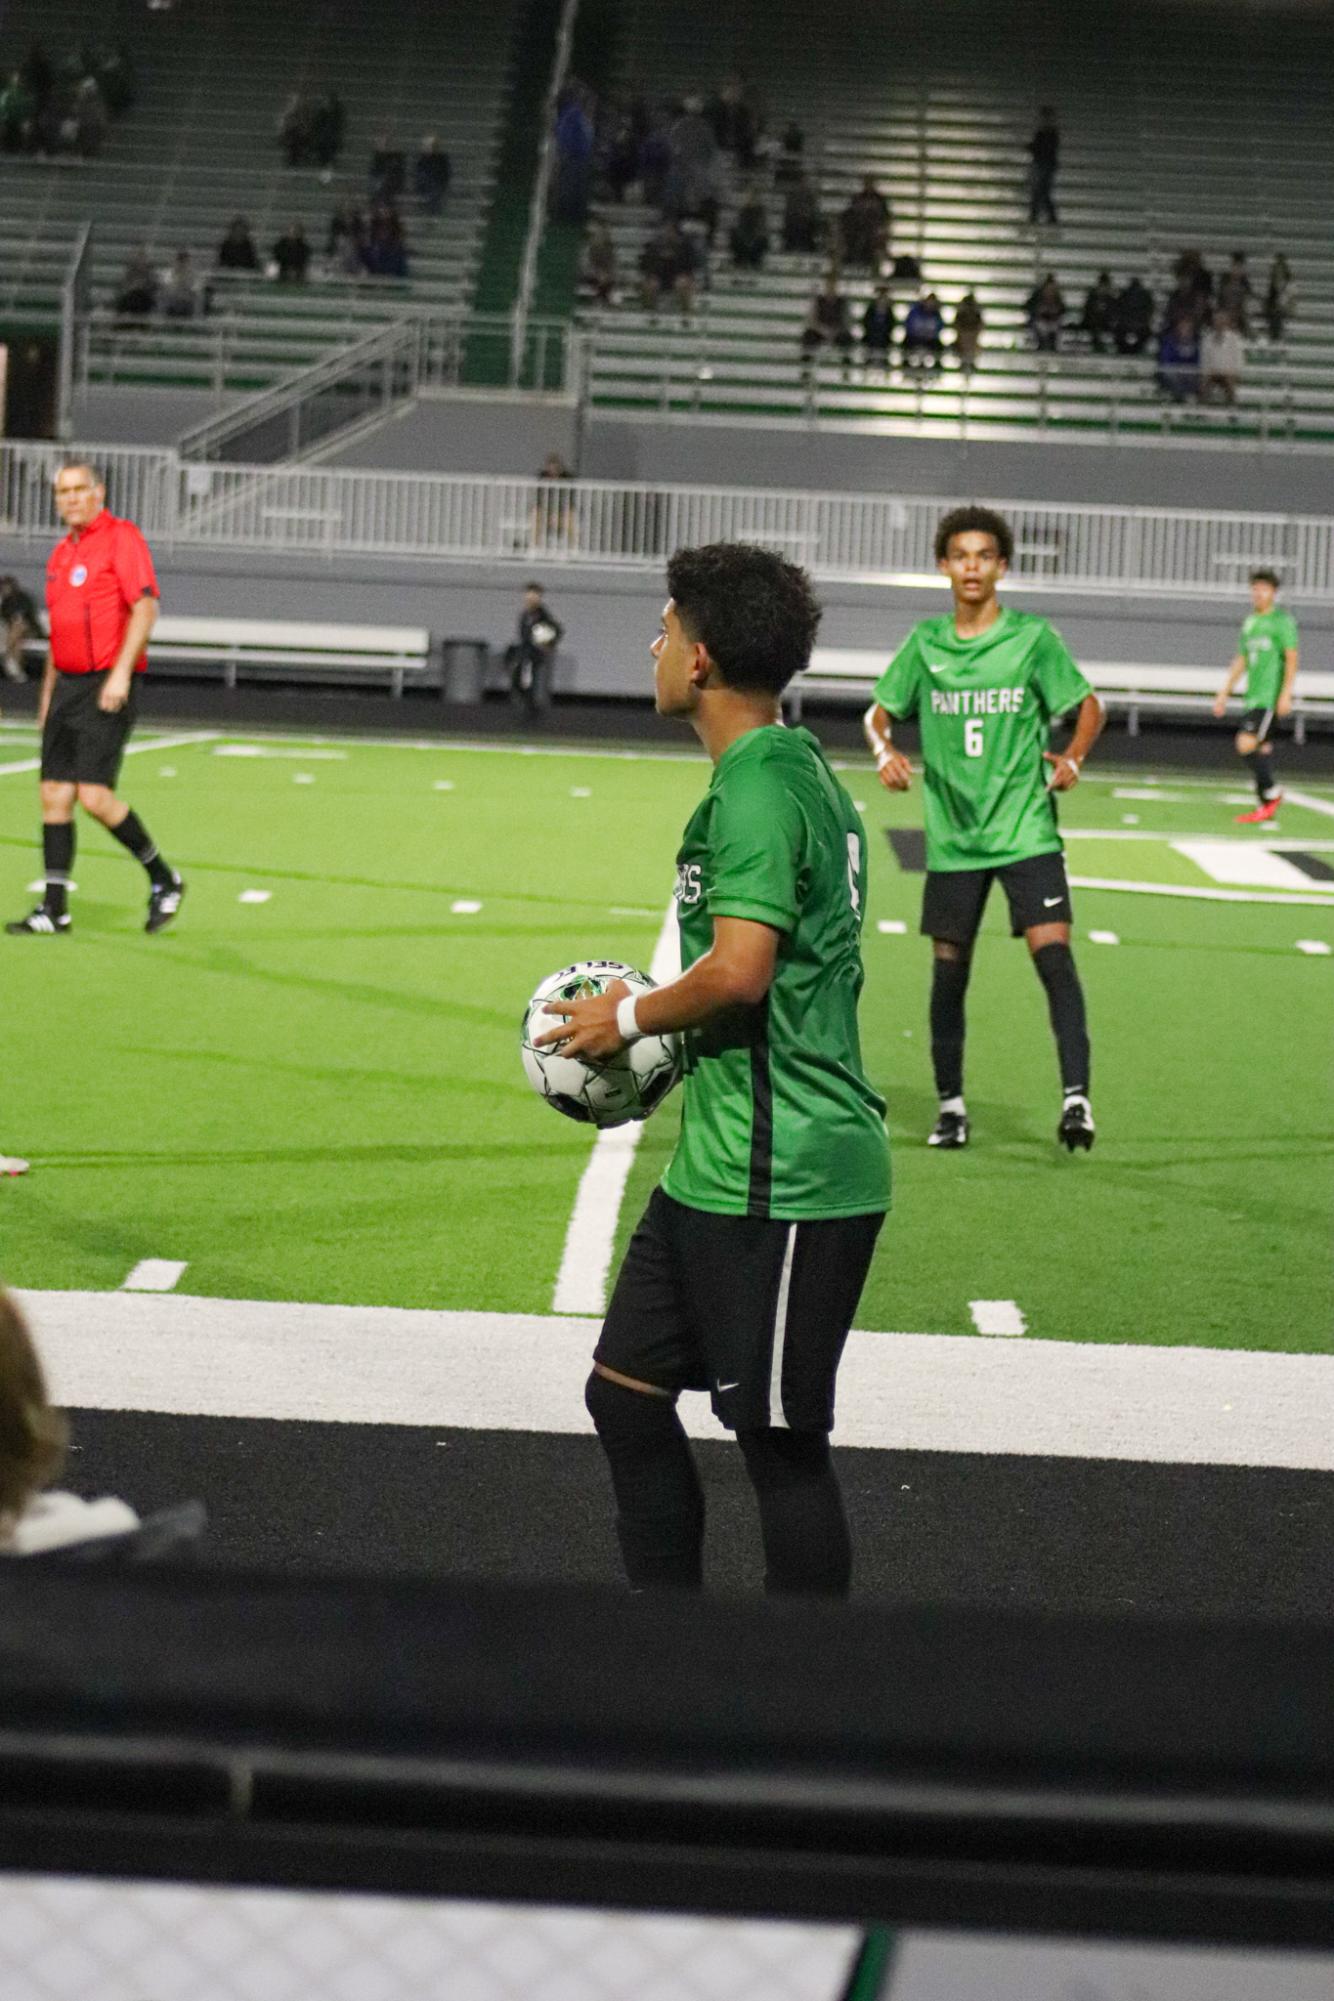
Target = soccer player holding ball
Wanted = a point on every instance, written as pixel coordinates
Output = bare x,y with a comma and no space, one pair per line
744,1273
1267,655
985,684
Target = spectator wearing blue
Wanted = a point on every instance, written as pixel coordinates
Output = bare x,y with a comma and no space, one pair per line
385,254
574,158
1179,360
924,333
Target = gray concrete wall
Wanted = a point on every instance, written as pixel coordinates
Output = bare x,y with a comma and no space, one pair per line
485,434
824,460
123,416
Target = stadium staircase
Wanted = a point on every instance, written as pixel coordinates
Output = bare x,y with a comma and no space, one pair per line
1182,127
199,147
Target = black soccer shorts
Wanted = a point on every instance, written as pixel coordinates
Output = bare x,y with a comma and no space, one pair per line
754,1311
1036,888
82,744
1257,723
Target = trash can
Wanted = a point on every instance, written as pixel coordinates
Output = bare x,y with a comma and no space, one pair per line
463,666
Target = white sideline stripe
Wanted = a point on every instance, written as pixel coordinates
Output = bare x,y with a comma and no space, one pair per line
154,1275
1103,938
1315,948
1198,895
1148,792
997,1316
275,750
525,1372
1311,801
254,896
687,754
131,750
1248,843
1242,862
581,1282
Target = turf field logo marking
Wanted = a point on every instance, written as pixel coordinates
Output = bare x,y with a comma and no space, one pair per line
1315,948
154,1275
465,906
997,1316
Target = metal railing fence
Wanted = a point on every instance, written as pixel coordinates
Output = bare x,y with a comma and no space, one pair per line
840,537
75,304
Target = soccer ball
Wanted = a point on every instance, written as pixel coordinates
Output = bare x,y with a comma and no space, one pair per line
630,1085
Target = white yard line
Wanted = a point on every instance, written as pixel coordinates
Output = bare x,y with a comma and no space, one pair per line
1241,842
154,1275
1310,801
1200,895
581,1283
525,1372
149,743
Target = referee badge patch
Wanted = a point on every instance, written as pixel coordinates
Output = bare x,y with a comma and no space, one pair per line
79,574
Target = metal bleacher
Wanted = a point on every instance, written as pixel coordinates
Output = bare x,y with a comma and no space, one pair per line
199,147
1209,127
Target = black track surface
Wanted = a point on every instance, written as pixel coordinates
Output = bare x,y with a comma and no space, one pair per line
948,1529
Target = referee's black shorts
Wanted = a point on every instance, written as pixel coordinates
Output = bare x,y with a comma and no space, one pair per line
754,1311
1036,888
82,744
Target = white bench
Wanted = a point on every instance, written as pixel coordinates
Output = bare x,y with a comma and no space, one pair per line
282,649
1128,687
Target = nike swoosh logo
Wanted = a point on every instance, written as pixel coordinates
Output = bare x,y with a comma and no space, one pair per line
724,1387
1049,902
942,668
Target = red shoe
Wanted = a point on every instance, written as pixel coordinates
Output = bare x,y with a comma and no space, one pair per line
1269,811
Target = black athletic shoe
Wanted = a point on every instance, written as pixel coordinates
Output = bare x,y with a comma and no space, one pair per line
950,1129
164,900
39,922
1076,1127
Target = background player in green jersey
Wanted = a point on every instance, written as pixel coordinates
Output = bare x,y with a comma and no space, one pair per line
1267,655
985,684
744,1273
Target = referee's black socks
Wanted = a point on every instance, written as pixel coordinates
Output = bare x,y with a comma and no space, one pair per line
57,864
134,835
1065,1001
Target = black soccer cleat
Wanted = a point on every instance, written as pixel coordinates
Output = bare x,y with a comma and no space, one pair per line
164,900
38,923
950,1130
1076,1127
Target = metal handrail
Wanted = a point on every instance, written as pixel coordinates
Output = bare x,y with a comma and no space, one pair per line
537,207
75,294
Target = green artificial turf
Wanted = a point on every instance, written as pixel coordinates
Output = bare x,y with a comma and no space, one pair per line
319,1097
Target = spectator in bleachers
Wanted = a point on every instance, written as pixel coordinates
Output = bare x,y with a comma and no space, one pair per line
1099,315
749,237
598,265
181,296
18,109
620,165
803,224
34,1438
735,128
18,624
344,246
1179,360
1234,294
88,122
669,262
1044,157
788,165
864,226
968,324
39,77
1192,293
115,73
237,251
924,333
296,129
878,328
574,157
691,188
1044,314
827,322
1222,358
1280,298
384,253
291,254
432,171
387,175
655,161
1132,317
328,123
136,295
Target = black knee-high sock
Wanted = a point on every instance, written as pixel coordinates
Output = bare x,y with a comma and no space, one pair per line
134,835
949,984
1065,999
1262,771
659,1501
806,1543
57,863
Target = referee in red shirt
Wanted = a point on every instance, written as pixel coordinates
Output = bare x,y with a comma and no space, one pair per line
102,603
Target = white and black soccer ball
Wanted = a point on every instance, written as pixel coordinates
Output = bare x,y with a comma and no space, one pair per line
629,1085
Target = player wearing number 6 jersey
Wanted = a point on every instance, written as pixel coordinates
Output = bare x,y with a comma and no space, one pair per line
985,684
746,1268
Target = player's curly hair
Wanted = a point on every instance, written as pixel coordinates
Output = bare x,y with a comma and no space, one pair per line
32,1433
1266,576
974,521
754,611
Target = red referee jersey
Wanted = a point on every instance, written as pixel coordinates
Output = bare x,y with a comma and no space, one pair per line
93,581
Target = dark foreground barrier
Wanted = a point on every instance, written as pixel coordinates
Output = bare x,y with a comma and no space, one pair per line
578,1746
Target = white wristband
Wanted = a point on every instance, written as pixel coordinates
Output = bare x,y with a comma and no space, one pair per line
626,1026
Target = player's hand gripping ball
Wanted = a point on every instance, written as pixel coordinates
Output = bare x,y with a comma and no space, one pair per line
626,1086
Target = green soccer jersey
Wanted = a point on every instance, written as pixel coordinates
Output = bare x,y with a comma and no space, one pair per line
1265,637
779,1118
984,706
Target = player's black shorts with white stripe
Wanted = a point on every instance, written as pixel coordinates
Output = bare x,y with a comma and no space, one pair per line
754,1311
1257,723
1036,888
82,744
